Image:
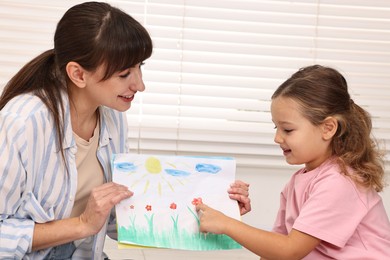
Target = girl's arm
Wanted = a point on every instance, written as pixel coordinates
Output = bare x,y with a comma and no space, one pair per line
263,243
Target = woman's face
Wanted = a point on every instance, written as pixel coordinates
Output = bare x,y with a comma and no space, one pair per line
301,141
117,92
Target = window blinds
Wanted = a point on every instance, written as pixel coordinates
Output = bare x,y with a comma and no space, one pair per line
216,64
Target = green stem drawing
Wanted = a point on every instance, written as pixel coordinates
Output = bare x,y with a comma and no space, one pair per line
149,219
175,228
195,215
132,220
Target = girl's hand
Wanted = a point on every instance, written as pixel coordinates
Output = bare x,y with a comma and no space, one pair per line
102,199
239,191
211,220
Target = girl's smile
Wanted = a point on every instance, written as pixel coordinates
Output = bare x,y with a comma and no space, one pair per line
286,152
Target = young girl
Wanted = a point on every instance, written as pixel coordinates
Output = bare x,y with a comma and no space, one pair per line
330,209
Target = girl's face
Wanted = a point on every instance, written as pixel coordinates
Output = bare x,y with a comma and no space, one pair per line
301,141
118,91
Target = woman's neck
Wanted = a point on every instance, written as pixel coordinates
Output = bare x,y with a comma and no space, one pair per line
84,128
84,121
84,114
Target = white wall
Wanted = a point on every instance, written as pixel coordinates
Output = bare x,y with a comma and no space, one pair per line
265,187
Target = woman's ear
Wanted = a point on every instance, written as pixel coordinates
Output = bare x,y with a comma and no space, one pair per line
76,74
329,127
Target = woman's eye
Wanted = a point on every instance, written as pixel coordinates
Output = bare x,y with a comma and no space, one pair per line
288,130
124,75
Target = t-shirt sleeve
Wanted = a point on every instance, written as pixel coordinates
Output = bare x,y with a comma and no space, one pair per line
280,225
332,211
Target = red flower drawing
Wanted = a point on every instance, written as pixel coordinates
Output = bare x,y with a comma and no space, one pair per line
173,206
197,201
148,207
131,206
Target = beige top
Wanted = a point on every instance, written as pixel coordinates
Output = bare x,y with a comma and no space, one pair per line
90,172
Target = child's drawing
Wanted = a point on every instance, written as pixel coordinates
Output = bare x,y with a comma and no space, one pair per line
166,189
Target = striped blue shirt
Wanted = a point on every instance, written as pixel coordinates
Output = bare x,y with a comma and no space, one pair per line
35,186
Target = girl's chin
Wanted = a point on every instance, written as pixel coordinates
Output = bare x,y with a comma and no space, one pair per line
292,161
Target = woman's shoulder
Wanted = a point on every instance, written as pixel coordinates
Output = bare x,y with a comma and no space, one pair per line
25,117
24,113
24,106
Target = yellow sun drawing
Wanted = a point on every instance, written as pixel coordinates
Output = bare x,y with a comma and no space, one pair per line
155,176
153,165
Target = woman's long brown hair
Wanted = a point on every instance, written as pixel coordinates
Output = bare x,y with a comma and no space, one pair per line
90,34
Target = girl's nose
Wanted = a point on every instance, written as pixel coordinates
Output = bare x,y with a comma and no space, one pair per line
277,138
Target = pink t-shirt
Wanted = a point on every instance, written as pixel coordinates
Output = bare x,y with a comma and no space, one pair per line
351,221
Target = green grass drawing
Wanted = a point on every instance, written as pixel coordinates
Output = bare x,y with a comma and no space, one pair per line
180,240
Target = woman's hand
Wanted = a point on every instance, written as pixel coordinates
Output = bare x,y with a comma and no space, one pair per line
100,203
239,191
90,222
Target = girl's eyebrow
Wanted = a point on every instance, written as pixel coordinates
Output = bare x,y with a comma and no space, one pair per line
284,122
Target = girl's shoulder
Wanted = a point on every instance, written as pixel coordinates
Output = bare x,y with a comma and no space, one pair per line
326,176
330,177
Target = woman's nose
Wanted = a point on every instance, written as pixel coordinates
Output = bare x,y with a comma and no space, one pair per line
138,83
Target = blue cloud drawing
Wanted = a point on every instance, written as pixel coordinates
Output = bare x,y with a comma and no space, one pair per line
208,168
177,173
125,166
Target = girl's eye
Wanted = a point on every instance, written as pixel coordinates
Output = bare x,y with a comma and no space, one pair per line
288,130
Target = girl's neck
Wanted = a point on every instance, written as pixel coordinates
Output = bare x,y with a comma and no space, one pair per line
318,163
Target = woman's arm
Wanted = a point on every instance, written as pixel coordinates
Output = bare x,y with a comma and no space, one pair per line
100,203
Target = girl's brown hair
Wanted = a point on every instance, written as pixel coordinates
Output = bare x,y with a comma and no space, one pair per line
323,92
91,34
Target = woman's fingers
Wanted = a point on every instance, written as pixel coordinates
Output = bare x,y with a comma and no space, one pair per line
102,199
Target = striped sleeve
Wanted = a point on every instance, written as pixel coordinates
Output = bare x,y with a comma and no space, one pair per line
15,233
33,184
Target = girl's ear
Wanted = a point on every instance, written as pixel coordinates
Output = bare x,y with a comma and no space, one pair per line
76,74
329,128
